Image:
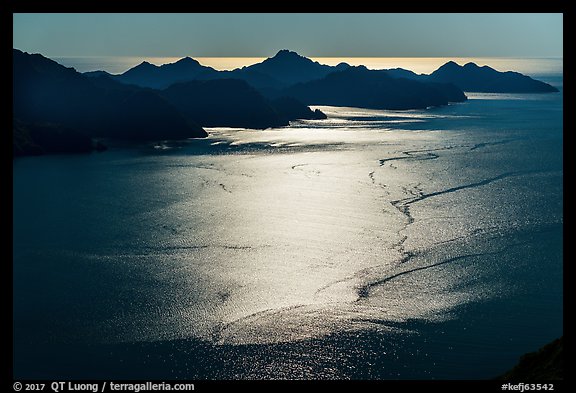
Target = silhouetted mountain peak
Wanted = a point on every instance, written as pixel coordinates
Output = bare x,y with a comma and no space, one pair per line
46,92
468,67
285,53
37,66
160,77
471,77
145,64
288,57
352,70
289,67
97,74
403,73
451,68
472,66
185,64
361,87
142,68
187,61
451,65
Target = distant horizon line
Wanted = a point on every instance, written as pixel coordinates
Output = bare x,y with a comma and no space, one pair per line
118,64
420,65
309,57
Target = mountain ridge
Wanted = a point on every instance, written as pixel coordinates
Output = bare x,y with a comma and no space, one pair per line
47,93
159,102
375,89
485,79
56,103
287,68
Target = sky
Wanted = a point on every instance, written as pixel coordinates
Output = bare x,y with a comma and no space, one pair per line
312,35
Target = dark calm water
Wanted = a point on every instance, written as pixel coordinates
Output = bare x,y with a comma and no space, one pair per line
374,244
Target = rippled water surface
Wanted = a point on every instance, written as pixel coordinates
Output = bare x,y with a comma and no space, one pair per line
373,244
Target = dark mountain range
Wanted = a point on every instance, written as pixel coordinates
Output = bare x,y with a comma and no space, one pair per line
473,78
282,70
402,73
223,103
287,68
96,74
160,77
234,103
45,92
290,68
50,99
360,87
172,101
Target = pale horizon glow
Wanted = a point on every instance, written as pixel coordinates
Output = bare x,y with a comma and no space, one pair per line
419,65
